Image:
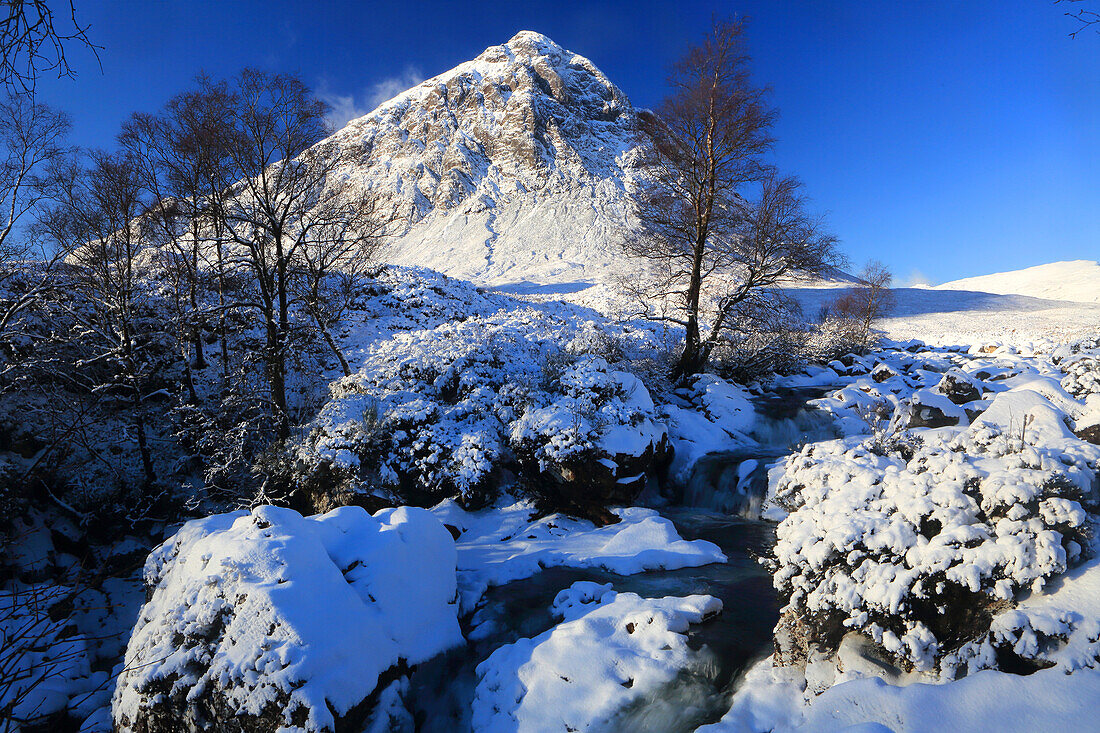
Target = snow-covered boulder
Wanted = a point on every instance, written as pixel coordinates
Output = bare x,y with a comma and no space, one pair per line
611,648
281,622
959,387
931,409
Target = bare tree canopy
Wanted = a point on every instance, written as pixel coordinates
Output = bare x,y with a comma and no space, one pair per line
288,223
1086,17
32,145
33,41
865,303
719,225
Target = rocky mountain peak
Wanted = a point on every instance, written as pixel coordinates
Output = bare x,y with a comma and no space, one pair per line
522,116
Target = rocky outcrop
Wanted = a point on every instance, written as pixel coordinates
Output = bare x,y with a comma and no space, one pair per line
584,484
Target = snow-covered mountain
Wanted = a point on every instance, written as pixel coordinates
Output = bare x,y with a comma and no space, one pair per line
1075,280
514,167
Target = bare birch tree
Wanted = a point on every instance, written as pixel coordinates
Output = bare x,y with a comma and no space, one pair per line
33,39
719,226
278,203
32,142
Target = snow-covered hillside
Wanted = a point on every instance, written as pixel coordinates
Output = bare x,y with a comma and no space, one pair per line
1077,280
512,167
964,316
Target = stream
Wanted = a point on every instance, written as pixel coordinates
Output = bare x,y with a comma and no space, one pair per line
721,504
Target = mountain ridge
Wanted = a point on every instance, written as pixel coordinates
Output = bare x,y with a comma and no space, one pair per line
513,167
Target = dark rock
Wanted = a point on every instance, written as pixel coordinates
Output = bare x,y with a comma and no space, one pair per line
1090,433
959,387
882,372
585,484
925,411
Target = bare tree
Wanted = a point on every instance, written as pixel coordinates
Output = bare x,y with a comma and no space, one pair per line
33,40
32,139
333,260
718,225
98,219
277,202
183,166
1086,17
868,301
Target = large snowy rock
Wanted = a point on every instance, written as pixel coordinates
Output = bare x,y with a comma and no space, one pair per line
512,167
275,621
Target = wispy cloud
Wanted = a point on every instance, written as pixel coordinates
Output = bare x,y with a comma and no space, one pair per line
916,278
347,107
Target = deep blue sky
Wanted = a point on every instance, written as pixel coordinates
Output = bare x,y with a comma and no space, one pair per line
948,138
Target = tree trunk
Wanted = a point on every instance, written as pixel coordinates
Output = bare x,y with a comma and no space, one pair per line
331,343
276,376
196,324
143,445
223,330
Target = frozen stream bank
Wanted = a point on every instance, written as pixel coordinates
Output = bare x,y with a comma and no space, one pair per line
721,647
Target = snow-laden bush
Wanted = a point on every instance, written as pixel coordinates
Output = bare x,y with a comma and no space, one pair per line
281,622
917,545
458,403
1082,375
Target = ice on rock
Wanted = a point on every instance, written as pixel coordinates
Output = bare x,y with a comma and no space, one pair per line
610,649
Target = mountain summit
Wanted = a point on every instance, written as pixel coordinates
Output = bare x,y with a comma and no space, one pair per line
512,167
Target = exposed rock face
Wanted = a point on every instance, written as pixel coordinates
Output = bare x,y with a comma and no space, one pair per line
512,166
1091,433
586,482
882,372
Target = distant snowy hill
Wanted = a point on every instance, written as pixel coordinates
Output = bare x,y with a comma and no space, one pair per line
1075,280
514,168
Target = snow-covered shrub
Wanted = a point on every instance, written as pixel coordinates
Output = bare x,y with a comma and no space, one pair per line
1082,375
461,402
278,622
917,546
594,439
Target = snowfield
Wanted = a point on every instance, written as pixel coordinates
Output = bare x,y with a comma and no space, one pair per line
1076,280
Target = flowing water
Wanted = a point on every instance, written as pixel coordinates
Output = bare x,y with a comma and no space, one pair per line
719,504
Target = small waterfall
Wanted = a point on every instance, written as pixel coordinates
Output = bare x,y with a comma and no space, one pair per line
732,482
736,482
